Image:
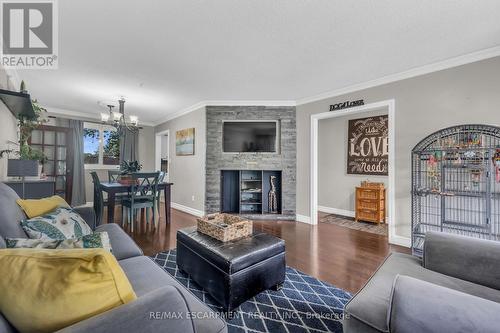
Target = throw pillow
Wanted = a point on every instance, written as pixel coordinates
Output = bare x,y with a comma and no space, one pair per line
36,207
44,291
62,223
95,240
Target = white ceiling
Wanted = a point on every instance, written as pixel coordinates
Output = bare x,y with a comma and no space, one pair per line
164,56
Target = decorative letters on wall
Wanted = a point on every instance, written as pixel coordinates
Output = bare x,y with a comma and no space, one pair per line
368,146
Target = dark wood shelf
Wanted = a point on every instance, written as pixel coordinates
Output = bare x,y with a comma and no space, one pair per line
245,191
18,103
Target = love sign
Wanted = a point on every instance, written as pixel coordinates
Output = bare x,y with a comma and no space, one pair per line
368,146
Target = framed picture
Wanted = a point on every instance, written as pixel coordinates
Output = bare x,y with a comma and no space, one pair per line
184,142
368,146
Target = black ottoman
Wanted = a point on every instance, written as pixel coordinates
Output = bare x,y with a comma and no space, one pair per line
232,272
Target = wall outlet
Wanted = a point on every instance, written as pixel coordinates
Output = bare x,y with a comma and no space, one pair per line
192,198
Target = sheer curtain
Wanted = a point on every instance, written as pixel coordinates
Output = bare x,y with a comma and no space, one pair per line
78,191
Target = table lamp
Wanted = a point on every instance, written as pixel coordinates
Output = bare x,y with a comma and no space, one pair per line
22,168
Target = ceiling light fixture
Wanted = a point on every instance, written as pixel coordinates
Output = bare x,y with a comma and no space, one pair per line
117,118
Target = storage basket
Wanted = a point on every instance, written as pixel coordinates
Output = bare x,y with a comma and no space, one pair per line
225,227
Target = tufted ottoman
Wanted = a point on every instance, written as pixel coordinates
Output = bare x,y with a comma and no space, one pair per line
235,271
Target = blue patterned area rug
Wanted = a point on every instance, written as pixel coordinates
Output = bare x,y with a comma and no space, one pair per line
304,304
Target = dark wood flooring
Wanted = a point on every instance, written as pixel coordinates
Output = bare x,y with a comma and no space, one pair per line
341,256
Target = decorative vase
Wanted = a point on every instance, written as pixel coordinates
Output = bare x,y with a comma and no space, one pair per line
272,197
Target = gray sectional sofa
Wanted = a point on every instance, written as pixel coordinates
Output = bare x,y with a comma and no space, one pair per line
158,293
455,287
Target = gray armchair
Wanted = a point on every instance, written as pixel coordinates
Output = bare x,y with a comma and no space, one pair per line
419,306
455,287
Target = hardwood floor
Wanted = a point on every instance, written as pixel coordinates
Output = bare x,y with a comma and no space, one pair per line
343,257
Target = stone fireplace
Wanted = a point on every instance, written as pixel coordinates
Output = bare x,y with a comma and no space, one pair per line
283,162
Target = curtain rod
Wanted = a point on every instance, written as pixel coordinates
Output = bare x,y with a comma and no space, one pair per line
86,121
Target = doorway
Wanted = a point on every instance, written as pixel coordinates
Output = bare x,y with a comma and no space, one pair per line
388,107
352,171
162,152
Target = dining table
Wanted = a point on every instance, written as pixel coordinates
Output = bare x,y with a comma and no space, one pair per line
114,188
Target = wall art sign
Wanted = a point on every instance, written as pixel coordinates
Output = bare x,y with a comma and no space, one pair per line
346,104
368,146
184,142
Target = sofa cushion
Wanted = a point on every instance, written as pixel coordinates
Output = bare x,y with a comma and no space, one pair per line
11,214
370,305
62,287
123,246
5,326
146,276
36,207
92,241
62,223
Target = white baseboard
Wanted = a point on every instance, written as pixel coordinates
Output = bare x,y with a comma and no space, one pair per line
336,211
186,209
400,240
303,219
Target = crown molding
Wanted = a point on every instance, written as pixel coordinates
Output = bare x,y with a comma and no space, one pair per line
417,71
414,72
63,113
203,104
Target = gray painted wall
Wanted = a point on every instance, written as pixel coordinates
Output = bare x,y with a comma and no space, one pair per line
8,124
424,104
187,172
8,132
335,186
285,160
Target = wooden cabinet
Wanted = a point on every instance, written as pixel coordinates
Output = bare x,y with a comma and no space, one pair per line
370,203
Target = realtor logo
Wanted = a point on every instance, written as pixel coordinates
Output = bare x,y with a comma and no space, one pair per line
29,34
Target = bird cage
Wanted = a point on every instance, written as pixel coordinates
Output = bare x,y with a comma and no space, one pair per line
456,183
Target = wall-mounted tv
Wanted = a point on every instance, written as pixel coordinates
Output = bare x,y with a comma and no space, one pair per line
250,136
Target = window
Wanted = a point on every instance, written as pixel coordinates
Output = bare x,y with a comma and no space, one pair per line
101,146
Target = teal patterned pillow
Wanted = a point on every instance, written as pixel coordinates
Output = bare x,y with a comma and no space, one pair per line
95,240
62,223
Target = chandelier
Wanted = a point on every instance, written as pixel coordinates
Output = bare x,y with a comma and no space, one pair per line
117,119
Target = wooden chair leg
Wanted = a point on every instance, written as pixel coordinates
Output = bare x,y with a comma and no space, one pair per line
122,222
154,215
147,215
130,219
158,205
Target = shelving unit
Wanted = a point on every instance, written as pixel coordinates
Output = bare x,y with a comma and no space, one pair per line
251,192
246,191
456,184
18,103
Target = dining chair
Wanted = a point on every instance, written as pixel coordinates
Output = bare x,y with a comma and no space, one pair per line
143,194
99,201
161,178
113,175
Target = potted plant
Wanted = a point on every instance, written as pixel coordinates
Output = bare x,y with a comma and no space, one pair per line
126,170
28,157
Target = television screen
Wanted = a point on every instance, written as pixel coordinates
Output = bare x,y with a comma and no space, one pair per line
249,136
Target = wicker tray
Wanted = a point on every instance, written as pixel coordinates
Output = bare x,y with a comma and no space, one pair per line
225,227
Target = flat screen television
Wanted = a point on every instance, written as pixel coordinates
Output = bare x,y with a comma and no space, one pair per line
250,136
